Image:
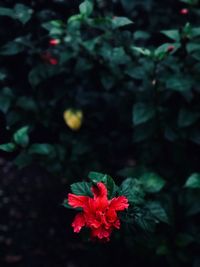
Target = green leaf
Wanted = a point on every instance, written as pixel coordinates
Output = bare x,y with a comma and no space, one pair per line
191,202
21,136
142,113
12,48
118,22
26,103
162,50
6,97
136,72
172,34
145,220
9,147
119,56
86,8
75,20
195,32
66,204
41,149
141,50
192,47
152,182
41,73
157,211
141,35
110,185
96,176
22,160
102,23
193,181
194,50
187,118
22,13
6,12
55,27
132,189
179,83
81,189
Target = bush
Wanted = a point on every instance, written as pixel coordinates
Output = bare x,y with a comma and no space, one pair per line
111,87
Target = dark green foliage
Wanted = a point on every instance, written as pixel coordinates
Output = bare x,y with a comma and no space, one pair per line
21,136
132,189
133,69
193,181
81,188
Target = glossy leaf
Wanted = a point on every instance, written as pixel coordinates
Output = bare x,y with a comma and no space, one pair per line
132,189
172,34
142,113
21,136
81,188
118,22
193,181
158,211
41,149
86,8
152,182
9,147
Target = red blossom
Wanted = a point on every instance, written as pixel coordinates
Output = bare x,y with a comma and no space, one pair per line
184,11
53,61
48,58
170,48
54,42
98,212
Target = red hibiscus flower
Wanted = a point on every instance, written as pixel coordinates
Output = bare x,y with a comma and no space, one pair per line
99,213
54,42
184,11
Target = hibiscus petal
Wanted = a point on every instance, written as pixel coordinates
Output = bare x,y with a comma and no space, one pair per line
119,203
77,201
79,222
111,215
117,224
101,233
93,223
99,190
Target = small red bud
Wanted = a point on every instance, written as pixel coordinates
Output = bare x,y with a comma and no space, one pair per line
54,42
48,58
184,11
53,61
170,48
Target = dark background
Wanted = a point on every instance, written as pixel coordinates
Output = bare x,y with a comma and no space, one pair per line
35,229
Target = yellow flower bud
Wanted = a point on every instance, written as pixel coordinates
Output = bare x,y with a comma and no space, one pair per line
73,118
